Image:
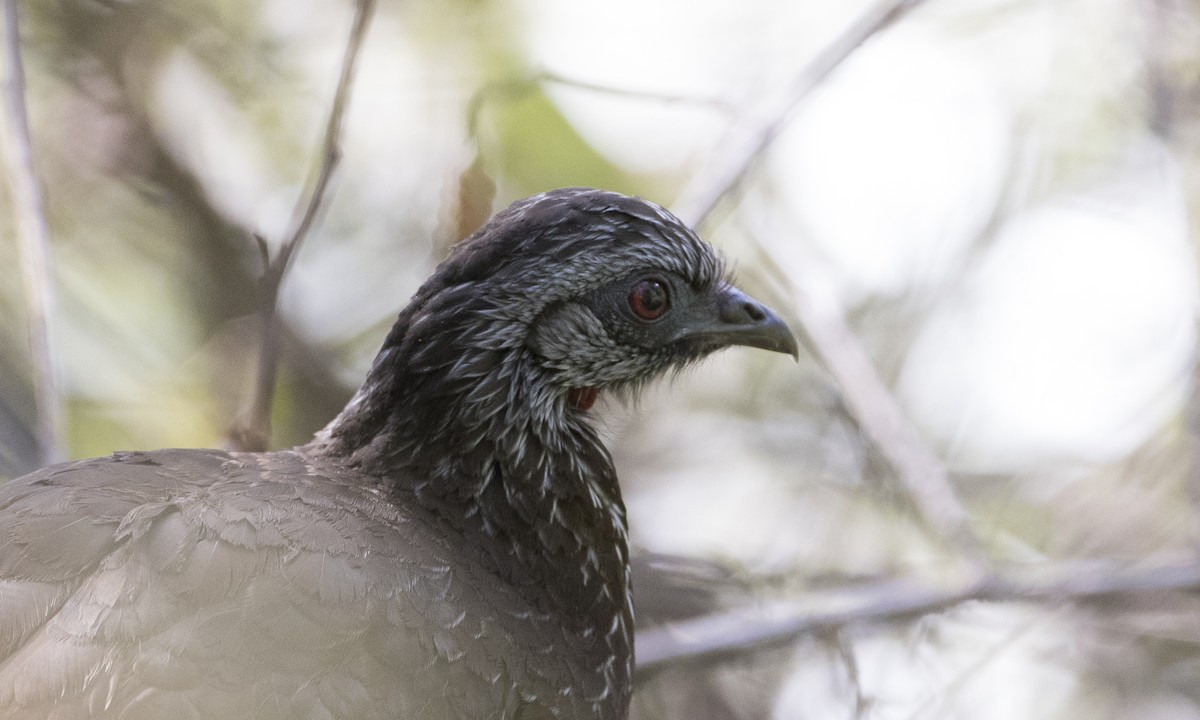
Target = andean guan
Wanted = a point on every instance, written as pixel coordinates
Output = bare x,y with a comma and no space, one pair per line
452,545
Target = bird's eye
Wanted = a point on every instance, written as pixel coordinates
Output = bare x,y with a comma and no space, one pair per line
649,299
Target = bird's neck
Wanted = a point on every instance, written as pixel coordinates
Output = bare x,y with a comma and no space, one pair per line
475,437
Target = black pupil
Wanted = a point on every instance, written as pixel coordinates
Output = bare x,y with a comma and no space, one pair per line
649,299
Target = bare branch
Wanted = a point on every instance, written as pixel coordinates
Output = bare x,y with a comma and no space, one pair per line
253,433
34,241
880,418
868,398
748,141
878,415
741,631
985,656
520,87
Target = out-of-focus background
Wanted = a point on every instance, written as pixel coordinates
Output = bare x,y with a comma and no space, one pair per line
992,199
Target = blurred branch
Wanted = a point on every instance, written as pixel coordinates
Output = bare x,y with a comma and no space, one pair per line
879,417
988,654
872,406
866,395
477,190
34,241
520,87
252,434
747,142
743,631
845,653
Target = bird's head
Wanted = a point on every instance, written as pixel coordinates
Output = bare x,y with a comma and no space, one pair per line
559,297
604,291
475,410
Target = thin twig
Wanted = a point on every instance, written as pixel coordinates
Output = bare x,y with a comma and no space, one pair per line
747,142
34,240
879,416
871,405
828,336
739,632
845,651
520,87
253,433
944,692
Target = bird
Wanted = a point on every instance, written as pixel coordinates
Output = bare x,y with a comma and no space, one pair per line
452,545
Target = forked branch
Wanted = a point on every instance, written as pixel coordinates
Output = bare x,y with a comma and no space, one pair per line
253,432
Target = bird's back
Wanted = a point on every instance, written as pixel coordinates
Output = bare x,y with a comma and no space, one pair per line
139,586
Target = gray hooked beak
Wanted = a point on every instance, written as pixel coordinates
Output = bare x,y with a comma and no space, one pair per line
731,317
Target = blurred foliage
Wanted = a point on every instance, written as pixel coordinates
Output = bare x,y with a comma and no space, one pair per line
167,135
540,150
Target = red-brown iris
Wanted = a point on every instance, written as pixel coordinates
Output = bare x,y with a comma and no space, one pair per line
649,299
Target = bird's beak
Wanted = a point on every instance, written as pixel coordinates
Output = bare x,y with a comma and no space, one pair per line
728,316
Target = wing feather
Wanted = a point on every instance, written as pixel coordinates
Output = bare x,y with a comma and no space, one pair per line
140,587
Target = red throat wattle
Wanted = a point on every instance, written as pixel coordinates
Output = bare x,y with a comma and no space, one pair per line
582,398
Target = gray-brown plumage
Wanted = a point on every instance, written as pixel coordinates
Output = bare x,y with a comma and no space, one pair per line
451,546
